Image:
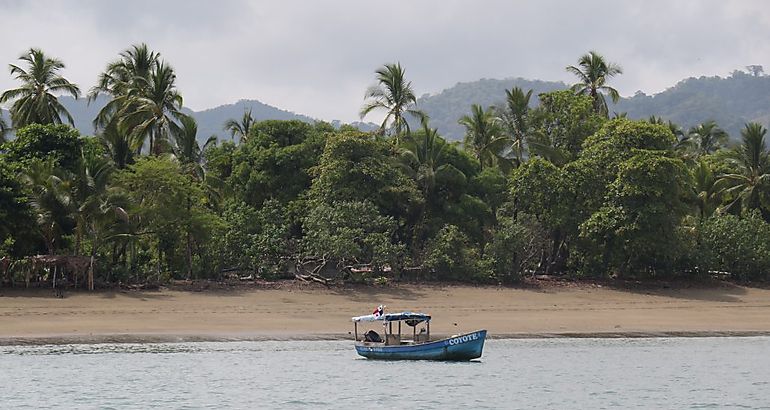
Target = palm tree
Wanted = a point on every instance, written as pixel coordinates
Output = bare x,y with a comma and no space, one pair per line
684,146
708,137
89,194
95,205
593,72
706,189
49,200
515,120
123,74
190,155
118,145
186,148
541,145
131,71
423,157
35,101
144,101
153,108
483,136
394,95
748,181
240,129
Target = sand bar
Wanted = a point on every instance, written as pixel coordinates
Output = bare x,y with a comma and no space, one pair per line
298,311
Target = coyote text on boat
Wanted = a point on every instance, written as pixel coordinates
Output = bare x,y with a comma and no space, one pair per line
371,345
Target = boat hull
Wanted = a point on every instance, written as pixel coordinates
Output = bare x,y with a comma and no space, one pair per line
463,347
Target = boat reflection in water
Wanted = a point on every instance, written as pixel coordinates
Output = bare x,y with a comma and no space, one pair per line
466,346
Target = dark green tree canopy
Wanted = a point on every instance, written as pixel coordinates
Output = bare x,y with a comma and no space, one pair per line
59,143
274,162
561,123
357,167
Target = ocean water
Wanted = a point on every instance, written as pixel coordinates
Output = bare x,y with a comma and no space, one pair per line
686,373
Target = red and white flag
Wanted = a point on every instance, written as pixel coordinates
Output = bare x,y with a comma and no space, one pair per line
379,311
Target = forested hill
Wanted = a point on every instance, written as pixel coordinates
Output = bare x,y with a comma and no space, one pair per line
730,101
446,107
210,121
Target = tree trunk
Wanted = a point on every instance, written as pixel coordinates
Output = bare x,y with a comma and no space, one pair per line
95,240
189,240
78,239
152,142
160,255
417,234
555,250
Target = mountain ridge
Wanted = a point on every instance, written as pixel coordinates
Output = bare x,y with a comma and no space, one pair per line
731,101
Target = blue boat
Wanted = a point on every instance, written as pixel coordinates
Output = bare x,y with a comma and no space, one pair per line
462,347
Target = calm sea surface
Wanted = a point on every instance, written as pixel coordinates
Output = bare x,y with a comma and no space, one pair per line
545,373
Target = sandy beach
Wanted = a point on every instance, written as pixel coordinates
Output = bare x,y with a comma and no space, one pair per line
301,311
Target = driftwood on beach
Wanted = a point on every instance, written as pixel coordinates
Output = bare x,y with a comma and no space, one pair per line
302,273
325,271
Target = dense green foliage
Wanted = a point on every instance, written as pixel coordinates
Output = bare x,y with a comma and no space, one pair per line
58,143
739,246
558,188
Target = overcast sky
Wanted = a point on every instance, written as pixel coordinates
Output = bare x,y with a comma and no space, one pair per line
318,57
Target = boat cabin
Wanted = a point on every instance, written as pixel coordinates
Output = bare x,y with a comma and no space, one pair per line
393,329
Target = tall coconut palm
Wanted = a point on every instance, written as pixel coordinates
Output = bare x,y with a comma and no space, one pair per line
191,156
240,128
394,95
749,179
154,108
514,118
483,136
122,77
35,102
593,72
96,206
708,137
186,148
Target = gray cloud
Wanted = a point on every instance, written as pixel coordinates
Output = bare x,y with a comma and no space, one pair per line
317,58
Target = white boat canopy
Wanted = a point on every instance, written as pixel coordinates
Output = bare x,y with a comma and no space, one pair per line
392,317
367,318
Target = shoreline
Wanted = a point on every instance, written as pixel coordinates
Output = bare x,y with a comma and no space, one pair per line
297,311
170,338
